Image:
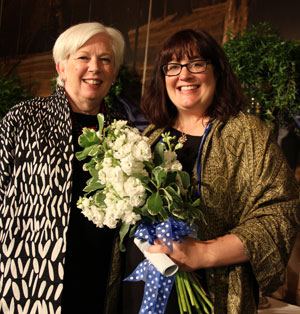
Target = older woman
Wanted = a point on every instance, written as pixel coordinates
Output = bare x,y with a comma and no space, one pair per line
52,259
248,194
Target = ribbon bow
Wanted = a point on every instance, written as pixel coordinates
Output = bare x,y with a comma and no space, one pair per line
157,287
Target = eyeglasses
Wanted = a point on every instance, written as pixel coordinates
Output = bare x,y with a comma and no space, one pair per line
195,66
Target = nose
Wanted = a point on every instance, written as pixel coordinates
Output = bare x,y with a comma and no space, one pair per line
94,65
185,73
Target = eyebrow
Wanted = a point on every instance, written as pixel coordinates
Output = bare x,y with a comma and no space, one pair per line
190,59
101,54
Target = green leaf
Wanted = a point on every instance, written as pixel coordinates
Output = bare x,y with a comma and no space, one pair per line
159,174
154,203
94,186
123,232
100,118
149,166
94,150
88,138
196,203
174,194
185,179
99,198
90,165
171,177
84,153
159,154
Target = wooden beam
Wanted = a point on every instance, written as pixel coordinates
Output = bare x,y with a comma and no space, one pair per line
236,17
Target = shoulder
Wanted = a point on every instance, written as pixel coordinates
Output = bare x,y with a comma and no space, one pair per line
244,125
32,108
247,122
242,134
153,133
36,112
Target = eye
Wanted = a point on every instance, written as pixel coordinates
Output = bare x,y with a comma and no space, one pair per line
105,60
83,58
198,63
173,66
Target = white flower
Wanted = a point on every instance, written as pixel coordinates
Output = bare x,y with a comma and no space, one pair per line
127,164
115,174
120,165
107,162
109,219
176,165
119,142
124,206
110,199
118,125
94,214
134,186
119,188
123,151
142,151
133,135
131,218
138,200
171,161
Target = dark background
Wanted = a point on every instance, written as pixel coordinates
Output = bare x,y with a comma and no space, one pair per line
32,26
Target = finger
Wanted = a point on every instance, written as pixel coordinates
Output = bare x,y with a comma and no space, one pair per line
158,248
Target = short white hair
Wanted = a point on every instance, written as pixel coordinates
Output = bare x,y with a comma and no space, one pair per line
76,36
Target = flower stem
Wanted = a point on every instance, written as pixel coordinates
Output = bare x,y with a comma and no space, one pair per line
202,298
181,292
178,295
190,291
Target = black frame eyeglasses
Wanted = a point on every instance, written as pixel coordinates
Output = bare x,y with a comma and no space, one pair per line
194,66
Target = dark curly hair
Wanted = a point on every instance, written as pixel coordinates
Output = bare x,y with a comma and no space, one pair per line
228,98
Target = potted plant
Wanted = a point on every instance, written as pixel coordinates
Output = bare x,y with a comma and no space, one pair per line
268,68
12,90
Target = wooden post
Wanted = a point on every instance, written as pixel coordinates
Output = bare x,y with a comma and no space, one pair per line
236,17
146,48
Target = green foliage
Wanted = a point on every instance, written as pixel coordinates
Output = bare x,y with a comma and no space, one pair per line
170,191
12,91
268,68
127,85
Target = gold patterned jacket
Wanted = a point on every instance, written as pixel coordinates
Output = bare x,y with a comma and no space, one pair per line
246,189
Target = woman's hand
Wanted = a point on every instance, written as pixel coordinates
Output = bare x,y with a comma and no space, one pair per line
192,254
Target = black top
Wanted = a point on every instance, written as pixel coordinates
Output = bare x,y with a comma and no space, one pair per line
89,248
187,155
132,292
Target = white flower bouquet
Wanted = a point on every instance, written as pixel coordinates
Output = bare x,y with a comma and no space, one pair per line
130,186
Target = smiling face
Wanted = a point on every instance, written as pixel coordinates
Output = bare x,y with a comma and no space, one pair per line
88,74
191,91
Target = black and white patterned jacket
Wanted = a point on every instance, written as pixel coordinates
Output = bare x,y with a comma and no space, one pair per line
36,154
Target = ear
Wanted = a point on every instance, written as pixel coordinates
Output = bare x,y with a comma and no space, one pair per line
115,76
60,68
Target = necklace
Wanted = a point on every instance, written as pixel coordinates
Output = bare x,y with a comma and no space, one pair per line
182,139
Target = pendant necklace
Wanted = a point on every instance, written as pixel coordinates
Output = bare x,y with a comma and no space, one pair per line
182,139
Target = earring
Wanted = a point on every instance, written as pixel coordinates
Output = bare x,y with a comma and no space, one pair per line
63,81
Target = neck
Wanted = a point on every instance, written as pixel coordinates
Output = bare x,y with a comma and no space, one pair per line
89,106
192,125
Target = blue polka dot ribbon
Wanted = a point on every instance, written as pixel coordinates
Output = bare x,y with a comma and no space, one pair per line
157,287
